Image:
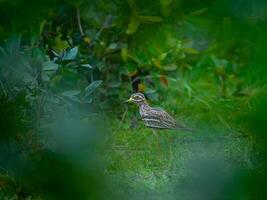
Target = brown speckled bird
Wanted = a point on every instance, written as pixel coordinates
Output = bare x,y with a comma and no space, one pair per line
155,118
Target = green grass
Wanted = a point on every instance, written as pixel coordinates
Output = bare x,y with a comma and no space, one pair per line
145,163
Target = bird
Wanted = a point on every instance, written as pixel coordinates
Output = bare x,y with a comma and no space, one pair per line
155,118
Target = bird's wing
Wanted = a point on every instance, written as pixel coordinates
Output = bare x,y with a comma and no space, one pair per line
158,118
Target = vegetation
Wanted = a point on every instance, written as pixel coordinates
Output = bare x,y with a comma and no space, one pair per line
66,68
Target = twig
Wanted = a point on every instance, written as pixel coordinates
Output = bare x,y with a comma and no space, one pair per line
79,22
104,25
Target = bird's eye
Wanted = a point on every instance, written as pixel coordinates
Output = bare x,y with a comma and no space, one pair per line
136,97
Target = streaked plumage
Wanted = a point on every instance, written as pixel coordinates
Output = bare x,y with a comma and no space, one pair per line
154,117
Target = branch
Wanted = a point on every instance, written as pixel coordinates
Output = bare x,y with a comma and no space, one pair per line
79,22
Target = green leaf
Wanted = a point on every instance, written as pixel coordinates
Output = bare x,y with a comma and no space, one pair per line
50,66
113,46
198,12
13,45
190,50
131,69
91,88
71,93
70,54
2,51
170,67
124,54
87,66
114,84
150,18
132,26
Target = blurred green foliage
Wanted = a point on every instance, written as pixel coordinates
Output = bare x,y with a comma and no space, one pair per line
66,68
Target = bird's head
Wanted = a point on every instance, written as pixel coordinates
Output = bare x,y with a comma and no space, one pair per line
137,98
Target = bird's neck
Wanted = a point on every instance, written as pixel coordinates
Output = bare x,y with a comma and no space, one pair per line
144,105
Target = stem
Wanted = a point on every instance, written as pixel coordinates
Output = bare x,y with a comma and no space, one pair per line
79,22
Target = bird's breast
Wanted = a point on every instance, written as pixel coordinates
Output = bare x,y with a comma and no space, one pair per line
144,111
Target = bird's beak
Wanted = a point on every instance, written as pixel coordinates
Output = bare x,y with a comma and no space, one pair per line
129,100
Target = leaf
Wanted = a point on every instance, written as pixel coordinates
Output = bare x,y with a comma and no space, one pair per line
50,66
170,67
124,54
72,64
71,93
91,88
42,25
87,39
70,54
132,26
141,87
150,18
87,66
190,50
212,48
113,46
2,51
131,69
156,62
114,84
13,45
198,12
132,4
45,77
162,56
108,21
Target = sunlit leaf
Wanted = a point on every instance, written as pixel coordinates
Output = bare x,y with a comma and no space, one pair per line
60,44
87,39
87,66
113,46
132,26
124,54
141,87
170,67
70,54
156,62
162,56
